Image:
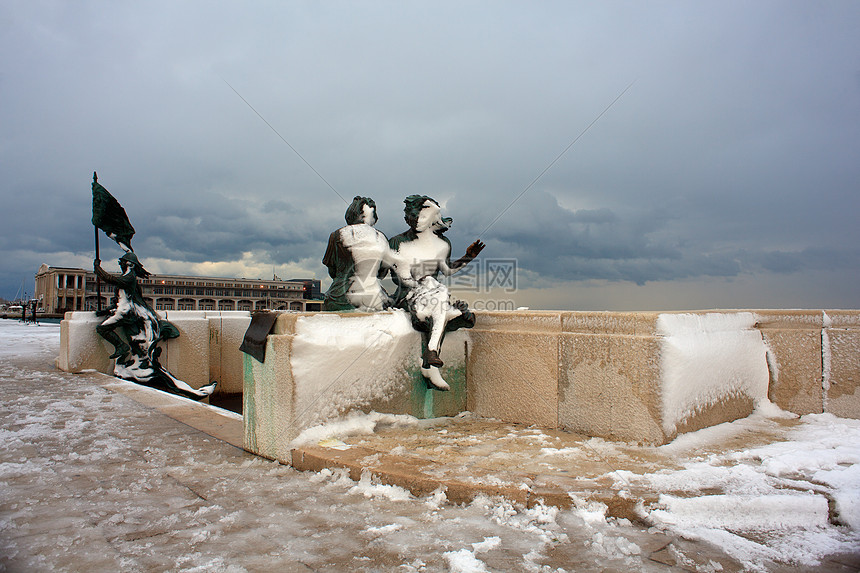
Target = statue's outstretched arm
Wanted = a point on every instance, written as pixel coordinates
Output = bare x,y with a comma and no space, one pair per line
472,251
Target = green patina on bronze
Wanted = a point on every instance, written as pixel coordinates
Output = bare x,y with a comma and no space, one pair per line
426,402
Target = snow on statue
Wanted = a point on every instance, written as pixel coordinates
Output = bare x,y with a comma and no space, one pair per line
355,257
137,360
428,252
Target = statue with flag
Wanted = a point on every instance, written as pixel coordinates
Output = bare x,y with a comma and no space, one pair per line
131,326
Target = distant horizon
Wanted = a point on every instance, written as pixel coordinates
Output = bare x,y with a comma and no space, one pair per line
533,298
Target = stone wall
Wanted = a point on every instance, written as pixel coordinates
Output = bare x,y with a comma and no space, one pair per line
635,376
608,374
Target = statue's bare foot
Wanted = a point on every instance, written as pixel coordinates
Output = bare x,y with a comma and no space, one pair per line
435,377
432,358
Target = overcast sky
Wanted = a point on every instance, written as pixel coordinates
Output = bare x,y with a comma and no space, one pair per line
726,176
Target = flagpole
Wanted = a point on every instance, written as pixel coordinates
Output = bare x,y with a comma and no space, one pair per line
98,279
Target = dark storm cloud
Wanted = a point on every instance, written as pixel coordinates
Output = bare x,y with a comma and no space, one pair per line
222,229
734,153
591,244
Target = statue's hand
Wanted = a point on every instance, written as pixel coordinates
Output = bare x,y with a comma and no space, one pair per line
97,263
475,249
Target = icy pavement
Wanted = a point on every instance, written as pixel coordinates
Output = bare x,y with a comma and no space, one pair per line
92,480
769,488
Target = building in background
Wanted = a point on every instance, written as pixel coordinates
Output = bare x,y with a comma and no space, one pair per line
312,288
63,289
59,289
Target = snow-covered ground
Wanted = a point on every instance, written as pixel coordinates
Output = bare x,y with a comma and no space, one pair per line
90,480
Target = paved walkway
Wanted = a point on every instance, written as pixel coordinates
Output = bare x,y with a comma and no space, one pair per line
102,475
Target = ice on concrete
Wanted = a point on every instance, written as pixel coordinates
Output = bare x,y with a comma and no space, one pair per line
793,500
707,358
351,361
352,424
743,512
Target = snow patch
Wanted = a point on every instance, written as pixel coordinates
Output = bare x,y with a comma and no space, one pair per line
487,544
826,363
744,512
368,489
707,358
353,424
464,561
345,362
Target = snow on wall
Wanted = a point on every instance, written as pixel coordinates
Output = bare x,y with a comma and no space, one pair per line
826,357
339,363
707,358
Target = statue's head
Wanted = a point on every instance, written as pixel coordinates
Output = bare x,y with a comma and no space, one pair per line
422,213
130,260
361,210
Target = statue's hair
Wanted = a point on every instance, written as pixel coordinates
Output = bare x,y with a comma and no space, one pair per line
414,203
355,211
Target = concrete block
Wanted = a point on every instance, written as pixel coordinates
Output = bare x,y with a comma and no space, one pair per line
344,361
793,339
187,357
226,361
842,318
548,321
842,371
268,410
647,377
610,386
513,374
633,323
334,363
286,322
713,368
794,365
789,319
81,348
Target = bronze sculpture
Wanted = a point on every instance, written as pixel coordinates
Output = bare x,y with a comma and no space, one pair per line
427,251
131,326
137,359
